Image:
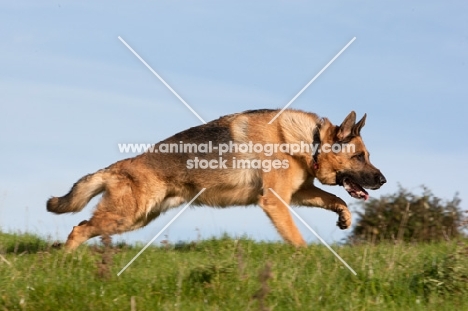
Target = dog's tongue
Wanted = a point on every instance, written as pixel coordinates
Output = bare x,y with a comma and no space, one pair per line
355,190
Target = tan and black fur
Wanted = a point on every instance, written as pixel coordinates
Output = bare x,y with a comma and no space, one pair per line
139,189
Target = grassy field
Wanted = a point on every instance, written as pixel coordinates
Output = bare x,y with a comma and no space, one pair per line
229,274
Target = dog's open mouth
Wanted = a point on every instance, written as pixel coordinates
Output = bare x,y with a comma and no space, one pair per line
355,190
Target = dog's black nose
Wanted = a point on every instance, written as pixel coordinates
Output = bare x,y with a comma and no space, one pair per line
382,179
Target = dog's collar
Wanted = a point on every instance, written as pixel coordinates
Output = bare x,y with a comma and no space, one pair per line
317,143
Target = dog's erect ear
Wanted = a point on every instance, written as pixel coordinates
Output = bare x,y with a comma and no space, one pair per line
346,128
357,128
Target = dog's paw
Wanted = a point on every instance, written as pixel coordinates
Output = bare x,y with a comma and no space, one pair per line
344,220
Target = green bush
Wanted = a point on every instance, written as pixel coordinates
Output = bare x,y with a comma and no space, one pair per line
409,217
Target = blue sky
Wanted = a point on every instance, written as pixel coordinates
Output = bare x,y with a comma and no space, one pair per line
70,91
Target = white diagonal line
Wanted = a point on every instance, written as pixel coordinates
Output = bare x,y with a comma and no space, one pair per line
313,79
313,231
159,233
161,79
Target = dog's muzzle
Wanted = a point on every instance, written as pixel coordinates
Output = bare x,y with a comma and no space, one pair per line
381,179
354,184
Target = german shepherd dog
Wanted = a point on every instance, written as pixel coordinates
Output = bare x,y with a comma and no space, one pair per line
137,190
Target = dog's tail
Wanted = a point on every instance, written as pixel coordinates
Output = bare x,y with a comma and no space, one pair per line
80,194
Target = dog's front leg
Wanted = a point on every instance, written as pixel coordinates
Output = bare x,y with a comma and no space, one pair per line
313,196
279,214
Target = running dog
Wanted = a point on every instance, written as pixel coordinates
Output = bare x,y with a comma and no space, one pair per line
239,159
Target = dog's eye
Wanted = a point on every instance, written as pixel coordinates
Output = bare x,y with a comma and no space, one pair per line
360,157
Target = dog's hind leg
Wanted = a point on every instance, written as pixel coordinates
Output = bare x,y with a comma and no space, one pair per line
123,208
280,216
99,225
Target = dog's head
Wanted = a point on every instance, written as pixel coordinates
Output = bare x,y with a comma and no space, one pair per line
344,160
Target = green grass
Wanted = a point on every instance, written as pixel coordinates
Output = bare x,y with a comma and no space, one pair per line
223,274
